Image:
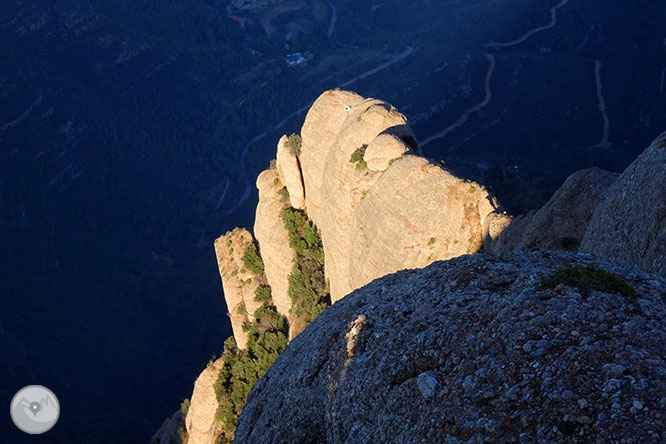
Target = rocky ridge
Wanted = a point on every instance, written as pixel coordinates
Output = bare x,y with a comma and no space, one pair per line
474,349
356,173
561,223
239,283
629,225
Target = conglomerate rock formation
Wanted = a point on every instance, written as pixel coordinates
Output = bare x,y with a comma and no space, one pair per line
380,206
390,208
273,238
630,224
474,349
238,282
200,420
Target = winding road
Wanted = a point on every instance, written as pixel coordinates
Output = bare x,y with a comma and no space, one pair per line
334,18
472,109
527,35
598,67
491,62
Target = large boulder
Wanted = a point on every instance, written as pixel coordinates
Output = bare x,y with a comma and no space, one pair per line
200,420
473,350
561,223
383,150
630,224
273,239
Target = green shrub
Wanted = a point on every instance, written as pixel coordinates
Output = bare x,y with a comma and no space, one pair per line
276,182
294,144
252,260
307,284
357,158
589,277
263,294
357,155
272,164
185,406
431,241
243,368
182,434
284,194
472,189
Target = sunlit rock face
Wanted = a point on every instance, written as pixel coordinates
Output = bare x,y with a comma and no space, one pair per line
473,349
290,174
388,208
561,223
238,282
273,239
414,214
319,132
630,224
200,421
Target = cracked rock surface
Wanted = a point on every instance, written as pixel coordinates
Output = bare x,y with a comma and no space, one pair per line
473,350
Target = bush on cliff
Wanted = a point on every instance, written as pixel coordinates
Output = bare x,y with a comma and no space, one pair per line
294,143
267,337
357,157
252,260
307,284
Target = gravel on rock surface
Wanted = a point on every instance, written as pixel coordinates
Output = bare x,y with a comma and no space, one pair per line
473,350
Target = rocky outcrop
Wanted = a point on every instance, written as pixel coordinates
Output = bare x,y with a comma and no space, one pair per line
473,350
273,239
375,201
169,431
561,223
630,224
200,421
289,172
510,237
319,132
238,282
414,214
383,150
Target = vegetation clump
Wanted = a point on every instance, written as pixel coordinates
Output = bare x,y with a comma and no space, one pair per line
252,260
185,406
294,144
307,284
241,369
589,277
357,158
284,194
